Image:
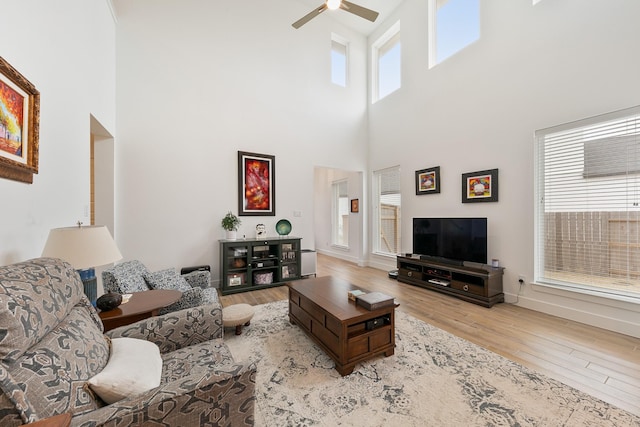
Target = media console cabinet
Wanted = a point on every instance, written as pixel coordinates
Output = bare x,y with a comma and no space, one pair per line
250,264
479,284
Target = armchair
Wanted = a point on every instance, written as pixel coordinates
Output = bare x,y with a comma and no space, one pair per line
133,276
51,344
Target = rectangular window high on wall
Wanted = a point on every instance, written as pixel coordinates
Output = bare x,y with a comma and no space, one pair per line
453,25
387,213
339,60
588,205
386,63
340,209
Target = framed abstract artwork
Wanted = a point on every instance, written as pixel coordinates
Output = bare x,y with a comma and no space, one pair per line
481,186
19,125
256,184
428,181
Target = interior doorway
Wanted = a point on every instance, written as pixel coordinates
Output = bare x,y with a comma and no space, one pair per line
102,167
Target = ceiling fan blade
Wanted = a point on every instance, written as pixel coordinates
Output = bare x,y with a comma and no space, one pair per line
309,16
362,12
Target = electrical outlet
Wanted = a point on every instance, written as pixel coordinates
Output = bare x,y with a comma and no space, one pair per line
522,279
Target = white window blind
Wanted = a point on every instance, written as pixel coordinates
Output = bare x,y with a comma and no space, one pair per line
588,214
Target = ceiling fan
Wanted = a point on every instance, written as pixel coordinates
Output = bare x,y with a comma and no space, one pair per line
362,12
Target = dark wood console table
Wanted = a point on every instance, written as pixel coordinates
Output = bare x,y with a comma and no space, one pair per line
140,306
321,307
480,284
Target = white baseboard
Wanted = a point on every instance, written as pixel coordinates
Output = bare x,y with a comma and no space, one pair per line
591,317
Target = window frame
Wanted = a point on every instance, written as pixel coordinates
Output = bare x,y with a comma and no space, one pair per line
376,247
583,132
336,218
390,36
337,39
433,8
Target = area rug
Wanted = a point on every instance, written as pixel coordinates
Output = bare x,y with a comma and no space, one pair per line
434,379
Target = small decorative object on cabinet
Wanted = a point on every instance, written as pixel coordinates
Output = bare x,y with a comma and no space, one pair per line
283,227
261,231
250,264
480,284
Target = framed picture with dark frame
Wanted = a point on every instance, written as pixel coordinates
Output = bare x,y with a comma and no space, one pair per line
355,206
428,181
481,186
19,125
256,184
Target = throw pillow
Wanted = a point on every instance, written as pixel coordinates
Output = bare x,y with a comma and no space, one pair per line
167,279
134,366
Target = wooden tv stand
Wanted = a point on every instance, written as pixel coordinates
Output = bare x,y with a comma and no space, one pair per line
479,284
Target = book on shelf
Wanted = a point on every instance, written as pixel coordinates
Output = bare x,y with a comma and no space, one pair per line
375,300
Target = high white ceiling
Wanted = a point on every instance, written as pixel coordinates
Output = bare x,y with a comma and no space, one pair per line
383,7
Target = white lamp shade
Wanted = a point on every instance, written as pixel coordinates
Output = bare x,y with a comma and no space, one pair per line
82,247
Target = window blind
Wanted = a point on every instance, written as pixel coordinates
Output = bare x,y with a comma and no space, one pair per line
588,214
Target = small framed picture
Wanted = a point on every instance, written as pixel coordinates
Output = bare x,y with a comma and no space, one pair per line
355,206
428,181
481,186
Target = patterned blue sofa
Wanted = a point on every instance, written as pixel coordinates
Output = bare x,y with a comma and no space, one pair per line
52,343
132,276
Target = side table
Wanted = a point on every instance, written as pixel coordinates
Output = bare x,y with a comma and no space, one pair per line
140,306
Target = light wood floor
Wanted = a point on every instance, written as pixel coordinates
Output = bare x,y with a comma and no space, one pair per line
601,363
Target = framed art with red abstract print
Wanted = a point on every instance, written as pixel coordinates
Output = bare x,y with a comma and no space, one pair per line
19,125
256,184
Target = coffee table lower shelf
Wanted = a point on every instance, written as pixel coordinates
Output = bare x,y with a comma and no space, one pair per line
348,338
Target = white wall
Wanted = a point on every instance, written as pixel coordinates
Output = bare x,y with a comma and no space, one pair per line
66,49
200,80
533,67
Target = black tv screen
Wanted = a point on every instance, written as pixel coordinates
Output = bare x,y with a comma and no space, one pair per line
455,239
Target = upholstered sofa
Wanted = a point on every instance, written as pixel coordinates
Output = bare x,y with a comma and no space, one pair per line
52,344
132,276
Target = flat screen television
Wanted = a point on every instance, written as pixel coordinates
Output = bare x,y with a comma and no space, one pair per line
452,239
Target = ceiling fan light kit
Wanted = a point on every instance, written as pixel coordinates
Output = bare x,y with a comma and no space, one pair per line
360,11
333,4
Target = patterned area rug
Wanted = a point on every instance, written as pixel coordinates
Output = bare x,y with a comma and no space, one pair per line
434,379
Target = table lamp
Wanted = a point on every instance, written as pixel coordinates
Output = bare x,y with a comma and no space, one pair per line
84,248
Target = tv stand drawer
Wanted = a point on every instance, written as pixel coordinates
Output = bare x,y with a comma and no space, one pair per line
468,287
410,274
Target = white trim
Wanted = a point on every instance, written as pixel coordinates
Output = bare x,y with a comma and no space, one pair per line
607,296
586,312
112,9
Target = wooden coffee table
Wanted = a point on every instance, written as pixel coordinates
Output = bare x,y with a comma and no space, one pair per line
321,307
140,306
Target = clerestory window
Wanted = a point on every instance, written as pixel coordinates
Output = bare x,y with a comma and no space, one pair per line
453,25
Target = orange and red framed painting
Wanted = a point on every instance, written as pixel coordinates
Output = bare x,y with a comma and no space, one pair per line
19,125
256,184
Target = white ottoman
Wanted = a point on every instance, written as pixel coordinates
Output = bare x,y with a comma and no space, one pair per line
237,315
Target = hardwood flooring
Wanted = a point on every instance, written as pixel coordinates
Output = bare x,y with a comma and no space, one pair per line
601,363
